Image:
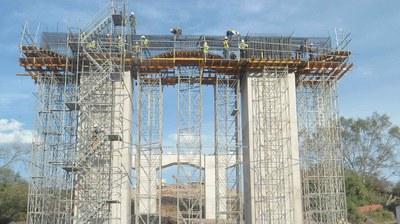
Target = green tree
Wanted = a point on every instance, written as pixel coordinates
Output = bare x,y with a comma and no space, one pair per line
13,196
361,192
370,145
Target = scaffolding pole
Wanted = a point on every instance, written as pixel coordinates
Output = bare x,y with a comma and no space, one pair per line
189,181
149,149
324,198
227,150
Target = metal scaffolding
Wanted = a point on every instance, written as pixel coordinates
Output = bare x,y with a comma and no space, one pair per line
324,198
81,154
48,183
46,180
97,166
228,185
149,148
190,194
77,168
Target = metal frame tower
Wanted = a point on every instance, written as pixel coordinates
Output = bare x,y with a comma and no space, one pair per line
149,148
229,203
189,179
81,156
100,163
322,171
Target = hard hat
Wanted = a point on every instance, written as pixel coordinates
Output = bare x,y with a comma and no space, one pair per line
143,37
93,41
242,40
95,125
132,13
311,44
136,42
119,37
171,30
108,34
226,38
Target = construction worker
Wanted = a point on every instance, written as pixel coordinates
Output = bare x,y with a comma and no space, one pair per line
231,33
145,47
108,38
311,51
243,48
303,51
227,44
297,53
120,42
91,45
132,21
176,31
205,49
95,135
137,49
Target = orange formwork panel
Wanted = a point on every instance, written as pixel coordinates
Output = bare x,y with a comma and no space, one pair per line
330,66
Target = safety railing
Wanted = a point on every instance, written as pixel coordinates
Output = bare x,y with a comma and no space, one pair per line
99,20
274,48
254,49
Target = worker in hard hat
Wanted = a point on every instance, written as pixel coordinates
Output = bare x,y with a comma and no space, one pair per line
91,45
145,47
243,48
108,38
132,22
120,42
231,33
137,49
311,51
95,135
176,31
227,44
205,49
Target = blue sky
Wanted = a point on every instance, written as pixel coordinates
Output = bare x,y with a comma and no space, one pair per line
373,85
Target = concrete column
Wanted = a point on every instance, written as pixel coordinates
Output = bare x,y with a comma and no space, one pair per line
289,118
148,186
247,127
209,183
127,149
297,192
122,156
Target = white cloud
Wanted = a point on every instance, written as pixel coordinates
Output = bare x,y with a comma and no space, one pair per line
9,125
11,131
